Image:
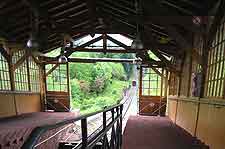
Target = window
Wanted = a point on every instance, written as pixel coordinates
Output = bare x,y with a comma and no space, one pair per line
34,75
151,83
173,84
57,79
21,75
215,73
4,74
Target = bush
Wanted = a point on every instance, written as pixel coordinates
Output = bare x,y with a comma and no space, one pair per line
118,71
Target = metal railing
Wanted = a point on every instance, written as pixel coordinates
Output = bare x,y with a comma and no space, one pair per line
87,142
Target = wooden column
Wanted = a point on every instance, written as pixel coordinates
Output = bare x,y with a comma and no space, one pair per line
68,79
43,87
11,72
28,71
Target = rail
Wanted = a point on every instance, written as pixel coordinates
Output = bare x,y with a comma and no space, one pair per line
115,125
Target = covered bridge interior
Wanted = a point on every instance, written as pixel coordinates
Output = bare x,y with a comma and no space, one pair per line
186,36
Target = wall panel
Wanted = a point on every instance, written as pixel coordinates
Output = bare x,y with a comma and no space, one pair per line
7,105
28,103
187,115
172,106
12,104
211,119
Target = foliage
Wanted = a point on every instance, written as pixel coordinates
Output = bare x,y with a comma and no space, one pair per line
94,86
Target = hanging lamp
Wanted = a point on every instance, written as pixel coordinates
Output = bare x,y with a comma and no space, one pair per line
137,43
32,42
62,57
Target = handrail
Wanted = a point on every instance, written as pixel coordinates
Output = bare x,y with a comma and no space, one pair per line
38,131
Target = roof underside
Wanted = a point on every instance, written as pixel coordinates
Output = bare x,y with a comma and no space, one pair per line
160,20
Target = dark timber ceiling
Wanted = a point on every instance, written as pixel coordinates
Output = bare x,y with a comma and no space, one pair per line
171,20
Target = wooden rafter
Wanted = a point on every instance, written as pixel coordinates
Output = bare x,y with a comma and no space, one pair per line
91,4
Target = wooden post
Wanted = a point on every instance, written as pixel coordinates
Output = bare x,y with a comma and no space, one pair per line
28,71
104,43
43,87
68,80
11,72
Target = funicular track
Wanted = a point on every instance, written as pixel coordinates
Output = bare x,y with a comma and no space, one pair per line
93,122
104,127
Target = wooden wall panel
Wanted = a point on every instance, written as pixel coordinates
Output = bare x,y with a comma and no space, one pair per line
211,125
172,106
187,115
12,104
7,105
202,131
211,120
28,103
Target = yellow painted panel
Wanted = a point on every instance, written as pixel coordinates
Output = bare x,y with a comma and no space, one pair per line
187,115
172,105
28,103
7,105
211,126
202,131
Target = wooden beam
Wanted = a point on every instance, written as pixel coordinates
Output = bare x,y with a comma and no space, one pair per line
91,4
51,60
104,43
68,53
115,50
19,62
52,69
161,57
220,13
117,42
4,53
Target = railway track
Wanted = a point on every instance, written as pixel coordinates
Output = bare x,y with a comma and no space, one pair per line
95,122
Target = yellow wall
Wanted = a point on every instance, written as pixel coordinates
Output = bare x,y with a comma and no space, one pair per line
17,103
210,126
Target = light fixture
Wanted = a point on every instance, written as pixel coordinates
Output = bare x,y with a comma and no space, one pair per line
62,57
32,42
137,43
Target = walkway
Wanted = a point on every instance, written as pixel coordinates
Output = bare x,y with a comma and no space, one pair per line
146,132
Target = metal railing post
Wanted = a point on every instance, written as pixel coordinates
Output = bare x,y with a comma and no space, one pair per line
84,133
